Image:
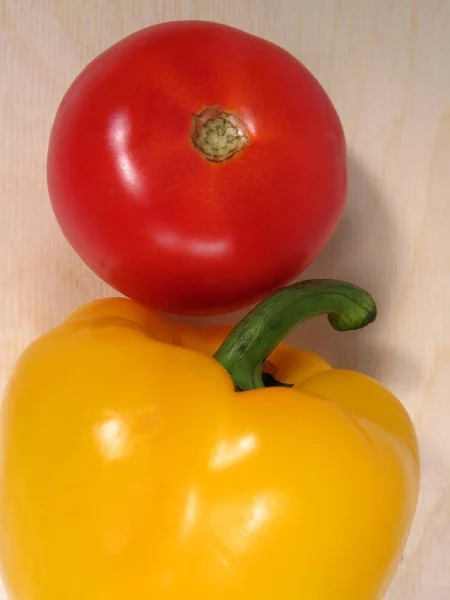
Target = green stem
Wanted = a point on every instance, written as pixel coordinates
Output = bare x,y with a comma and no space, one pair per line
256,336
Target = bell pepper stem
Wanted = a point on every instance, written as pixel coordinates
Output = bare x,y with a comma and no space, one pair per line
256,336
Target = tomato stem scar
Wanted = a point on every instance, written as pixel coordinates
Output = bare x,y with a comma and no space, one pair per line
218,134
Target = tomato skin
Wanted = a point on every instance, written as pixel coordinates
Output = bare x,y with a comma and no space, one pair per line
159,222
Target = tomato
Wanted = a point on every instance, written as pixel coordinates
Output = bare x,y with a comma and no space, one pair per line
196,168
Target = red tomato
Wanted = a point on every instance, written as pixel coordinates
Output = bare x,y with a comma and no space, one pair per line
196,168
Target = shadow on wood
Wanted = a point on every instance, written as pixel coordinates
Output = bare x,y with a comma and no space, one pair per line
353,255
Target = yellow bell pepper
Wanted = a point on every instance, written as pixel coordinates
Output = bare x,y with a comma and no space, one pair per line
143,459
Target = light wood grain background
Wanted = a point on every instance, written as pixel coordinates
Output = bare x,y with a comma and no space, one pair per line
386,66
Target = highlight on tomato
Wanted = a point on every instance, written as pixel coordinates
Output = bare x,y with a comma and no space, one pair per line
195,167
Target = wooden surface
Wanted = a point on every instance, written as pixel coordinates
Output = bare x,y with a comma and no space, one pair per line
386,66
